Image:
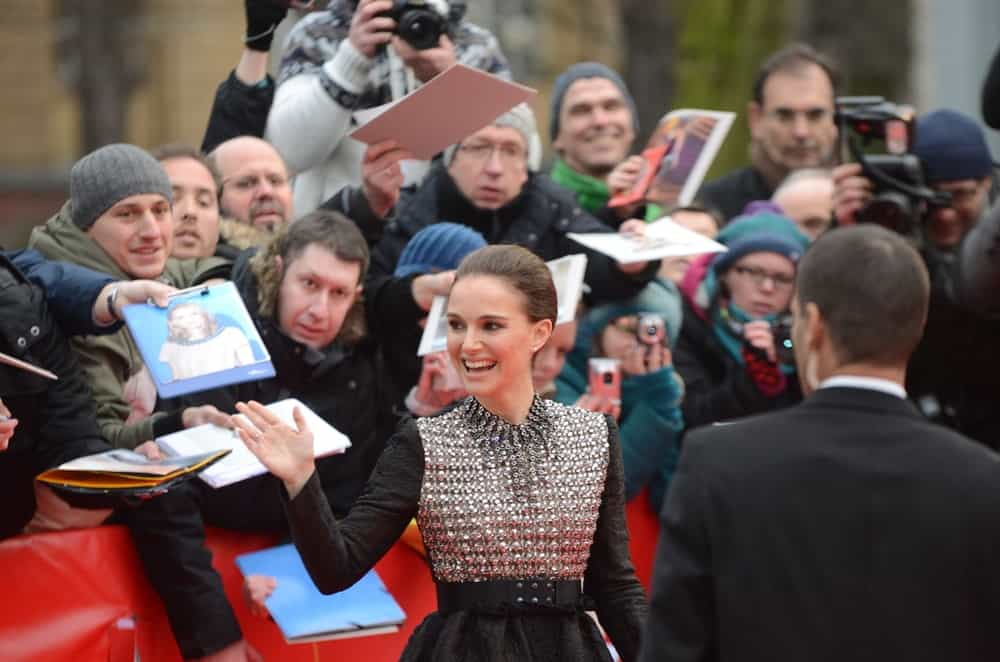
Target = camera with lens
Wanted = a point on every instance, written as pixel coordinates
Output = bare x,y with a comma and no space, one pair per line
900,196
420,23
782,332
651,329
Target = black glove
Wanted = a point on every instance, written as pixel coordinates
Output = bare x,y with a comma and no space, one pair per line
263,17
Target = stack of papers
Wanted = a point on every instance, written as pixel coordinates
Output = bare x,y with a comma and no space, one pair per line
241,463
127,472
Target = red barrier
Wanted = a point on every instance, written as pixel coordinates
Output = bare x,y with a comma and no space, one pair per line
71,596
643,530
81,596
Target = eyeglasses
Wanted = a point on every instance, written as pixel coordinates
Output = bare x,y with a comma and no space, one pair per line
961,195
248,183
509,153
813,116
760,276
628,324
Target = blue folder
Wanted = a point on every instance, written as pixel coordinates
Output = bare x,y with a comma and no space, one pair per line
304,614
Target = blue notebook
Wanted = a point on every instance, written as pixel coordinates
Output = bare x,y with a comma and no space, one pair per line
203,339
303,614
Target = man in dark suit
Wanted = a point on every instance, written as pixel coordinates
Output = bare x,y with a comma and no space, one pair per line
847,527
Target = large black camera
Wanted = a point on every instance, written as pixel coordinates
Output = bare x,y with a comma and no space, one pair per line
421,24
900,196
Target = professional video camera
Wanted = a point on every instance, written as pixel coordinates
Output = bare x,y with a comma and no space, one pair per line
421,23
900,196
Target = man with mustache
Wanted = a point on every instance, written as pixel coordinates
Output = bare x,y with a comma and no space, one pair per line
791,127
593,123
255,184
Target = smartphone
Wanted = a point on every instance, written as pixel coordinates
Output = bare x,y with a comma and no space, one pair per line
606,378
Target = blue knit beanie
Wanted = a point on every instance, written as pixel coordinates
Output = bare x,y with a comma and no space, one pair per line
951,146
759,233
579,71
438,247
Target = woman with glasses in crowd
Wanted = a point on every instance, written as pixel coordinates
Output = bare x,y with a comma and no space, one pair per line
734,351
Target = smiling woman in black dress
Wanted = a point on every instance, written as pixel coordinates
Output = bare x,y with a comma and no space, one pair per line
520,500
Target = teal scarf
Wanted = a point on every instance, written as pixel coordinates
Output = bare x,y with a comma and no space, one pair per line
591,193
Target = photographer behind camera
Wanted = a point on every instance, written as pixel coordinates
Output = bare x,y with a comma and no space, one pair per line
355,56
954,375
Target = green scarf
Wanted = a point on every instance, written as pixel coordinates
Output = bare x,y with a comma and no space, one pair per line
591,193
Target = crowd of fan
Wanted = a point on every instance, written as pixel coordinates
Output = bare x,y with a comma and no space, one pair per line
338,251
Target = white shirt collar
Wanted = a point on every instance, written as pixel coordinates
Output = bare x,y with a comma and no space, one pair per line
870,383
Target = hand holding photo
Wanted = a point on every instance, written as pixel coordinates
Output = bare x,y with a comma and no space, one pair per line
662,238
203,339
452,105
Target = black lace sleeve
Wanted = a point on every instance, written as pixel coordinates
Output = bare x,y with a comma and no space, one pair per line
337,554
610,578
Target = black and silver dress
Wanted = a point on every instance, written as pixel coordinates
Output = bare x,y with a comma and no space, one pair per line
513,517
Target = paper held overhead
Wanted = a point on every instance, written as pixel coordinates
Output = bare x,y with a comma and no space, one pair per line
451,106
663,238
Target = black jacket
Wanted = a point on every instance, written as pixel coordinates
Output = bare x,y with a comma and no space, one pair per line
716,386
731,192
56,419
954,374
846,528
238,110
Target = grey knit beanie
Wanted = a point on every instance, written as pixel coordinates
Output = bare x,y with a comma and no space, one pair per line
519,117
577,72
112,173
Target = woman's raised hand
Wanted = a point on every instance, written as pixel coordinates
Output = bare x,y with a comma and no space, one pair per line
286,452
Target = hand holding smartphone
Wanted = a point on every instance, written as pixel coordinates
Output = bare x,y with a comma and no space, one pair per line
605,379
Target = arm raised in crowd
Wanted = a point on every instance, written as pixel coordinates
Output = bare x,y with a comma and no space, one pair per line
324,75
382,179
81,299
608,280
244,99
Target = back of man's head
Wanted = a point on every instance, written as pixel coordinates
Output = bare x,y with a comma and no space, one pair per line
871,288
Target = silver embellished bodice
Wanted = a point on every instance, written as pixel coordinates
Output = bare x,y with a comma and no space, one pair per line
504,501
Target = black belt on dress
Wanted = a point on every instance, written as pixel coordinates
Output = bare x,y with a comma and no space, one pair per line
459,596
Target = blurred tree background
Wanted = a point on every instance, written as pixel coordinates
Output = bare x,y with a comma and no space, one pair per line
705,53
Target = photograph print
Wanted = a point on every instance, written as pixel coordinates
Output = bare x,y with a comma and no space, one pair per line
203,339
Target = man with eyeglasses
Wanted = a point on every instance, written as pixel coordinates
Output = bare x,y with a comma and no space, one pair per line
791,127
255,188
954,375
